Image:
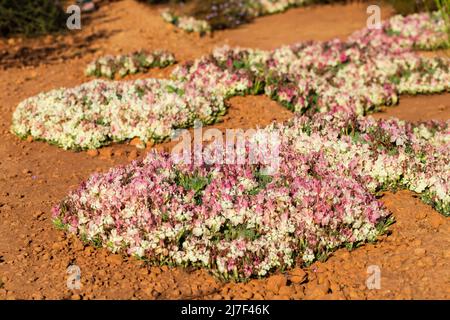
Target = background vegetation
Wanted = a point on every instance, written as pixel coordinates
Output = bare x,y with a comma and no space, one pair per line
37,17
31,17
223,14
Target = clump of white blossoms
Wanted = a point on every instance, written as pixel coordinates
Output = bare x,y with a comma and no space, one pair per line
139,61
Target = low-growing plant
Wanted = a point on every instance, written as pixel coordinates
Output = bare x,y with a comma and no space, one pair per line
193,182
383,225
321,199
59,224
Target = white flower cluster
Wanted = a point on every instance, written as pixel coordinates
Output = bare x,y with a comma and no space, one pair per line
189,24
140,61
240,223
99,112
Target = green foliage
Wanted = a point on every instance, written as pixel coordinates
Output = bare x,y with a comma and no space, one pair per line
444,7
240,232
193,182
383,225
31,17
230,232
172,89
57,222
429,198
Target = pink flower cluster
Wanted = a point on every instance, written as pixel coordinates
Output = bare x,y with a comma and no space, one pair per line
388,155
240,223
321,76
422,31
232,218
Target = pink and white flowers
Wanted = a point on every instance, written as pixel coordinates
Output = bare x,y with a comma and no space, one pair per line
360,75
139,61
426,31
240,223
422,30
232,218
252,8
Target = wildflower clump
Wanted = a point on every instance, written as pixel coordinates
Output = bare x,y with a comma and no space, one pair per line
136,62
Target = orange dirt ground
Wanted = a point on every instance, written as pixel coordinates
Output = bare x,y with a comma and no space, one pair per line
413,259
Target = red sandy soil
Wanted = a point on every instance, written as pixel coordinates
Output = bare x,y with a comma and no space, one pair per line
34,256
